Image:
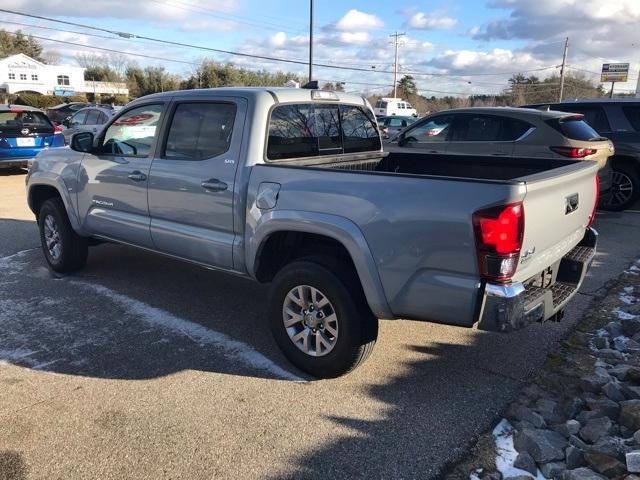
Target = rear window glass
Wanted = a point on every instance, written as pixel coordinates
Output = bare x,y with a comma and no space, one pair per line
200,130
575,129
23,119
307,130
513,129
633,115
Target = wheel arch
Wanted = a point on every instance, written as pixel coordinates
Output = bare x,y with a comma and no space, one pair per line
312,233
45,188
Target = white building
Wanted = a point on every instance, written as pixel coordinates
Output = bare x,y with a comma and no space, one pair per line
20,73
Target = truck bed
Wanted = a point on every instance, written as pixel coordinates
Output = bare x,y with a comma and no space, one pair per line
490,168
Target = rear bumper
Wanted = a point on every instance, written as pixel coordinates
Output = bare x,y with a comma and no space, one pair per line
13,163
514,306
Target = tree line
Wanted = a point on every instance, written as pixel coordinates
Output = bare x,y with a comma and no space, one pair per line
208,73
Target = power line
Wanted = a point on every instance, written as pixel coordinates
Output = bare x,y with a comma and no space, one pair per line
129,36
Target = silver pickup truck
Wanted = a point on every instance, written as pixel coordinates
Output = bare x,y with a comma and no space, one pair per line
292,187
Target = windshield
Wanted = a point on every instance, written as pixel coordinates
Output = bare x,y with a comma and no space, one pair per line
18,118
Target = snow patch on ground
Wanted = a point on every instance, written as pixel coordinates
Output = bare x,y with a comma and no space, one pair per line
233,349
628,299
506,453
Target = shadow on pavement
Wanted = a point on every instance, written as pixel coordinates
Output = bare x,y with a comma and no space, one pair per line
9,172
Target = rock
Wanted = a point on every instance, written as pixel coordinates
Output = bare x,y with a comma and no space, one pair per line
552,469
632,346
525,462
573,426
574,457
633,461
593,383
608,407
626,433
586,415
613,391
614,447
572,407
543,445
632,477
581,338
601,342
582,474
519,477
550,411
595,429
604,464
630,414
611,354
525,414
636,437
633,375
630,326
631,392
620,372
614,329
491,476
576,442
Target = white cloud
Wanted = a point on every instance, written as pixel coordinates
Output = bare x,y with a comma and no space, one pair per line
430,21
278,39
355,20
124,9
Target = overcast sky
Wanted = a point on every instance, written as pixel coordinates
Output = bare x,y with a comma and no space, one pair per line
461,41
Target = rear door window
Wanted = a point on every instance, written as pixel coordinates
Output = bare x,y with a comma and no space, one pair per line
476,128
200,130
632,112
513,129
92,117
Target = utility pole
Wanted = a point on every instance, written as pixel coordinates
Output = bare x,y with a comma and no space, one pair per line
310,40
395,62
563,68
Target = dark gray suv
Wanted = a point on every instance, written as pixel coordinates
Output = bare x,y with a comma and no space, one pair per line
618,120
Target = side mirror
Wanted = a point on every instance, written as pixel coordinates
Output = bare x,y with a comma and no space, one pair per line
82,142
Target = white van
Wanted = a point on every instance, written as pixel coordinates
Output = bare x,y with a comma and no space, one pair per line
394,106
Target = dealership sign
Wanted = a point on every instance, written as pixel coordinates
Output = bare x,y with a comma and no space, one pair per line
614,72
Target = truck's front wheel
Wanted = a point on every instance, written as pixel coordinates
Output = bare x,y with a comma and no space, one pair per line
320,319
64,250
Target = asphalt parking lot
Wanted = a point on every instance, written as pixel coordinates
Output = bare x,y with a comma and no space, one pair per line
141,366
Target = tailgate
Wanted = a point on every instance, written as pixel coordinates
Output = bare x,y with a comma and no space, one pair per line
557,207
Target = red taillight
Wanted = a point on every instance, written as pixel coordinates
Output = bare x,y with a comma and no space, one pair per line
592,217
574,152
499,233
57,129
16,110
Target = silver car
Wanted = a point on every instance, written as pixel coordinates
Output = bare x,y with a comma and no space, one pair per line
89,119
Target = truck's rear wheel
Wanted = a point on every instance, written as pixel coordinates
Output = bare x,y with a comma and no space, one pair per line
64,250
320,319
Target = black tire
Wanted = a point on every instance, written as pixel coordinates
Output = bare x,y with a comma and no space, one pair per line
357,326
73,249
617,200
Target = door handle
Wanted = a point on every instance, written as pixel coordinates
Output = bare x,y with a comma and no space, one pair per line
137,176
214,185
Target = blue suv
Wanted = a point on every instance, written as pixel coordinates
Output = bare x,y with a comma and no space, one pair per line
24,132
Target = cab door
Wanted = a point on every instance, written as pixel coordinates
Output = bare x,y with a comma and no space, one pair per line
113,180
191,183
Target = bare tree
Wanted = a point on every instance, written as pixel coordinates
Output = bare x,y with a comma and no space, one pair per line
51,57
